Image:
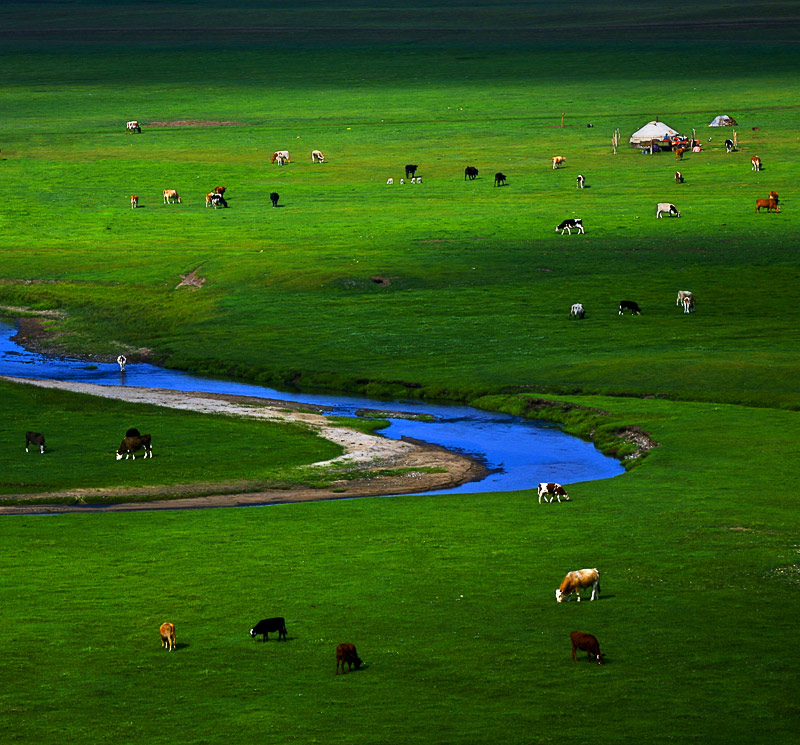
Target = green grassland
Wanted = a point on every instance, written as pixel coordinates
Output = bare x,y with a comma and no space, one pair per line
697,545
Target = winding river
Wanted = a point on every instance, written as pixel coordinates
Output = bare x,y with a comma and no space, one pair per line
519,453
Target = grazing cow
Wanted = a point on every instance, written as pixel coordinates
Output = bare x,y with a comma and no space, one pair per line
629,305
755,163
586,643
770,204
667,208
568,225
686,299
267,625
133,443
346,653
134,201
411,171
575,581
170,195
34,438
577,311
413,180
167,636
581,180
215,200
402,181
499,179
419,179
553,490
133,127
728,146
471,173
679,153
558,160
282,156
389,181
220,190
678,177
274,196
121,360
317,156
774,195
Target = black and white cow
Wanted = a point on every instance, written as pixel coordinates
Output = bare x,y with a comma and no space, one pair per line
36,439
667,208
729,146
577,311
573,223
631,306
581,180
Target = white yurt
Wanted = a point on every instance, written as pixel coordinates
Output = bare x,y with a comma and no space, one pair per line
651,131
723,120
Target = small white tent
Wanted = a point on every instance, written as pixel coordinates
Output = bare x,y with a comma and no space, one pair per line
651,131
723,120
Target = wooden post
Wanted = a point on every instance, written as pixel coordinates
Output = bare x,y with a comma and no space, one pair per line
735,140
562,118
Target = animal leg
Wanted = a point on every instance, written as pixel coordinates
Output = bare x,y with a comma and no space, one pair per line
573,653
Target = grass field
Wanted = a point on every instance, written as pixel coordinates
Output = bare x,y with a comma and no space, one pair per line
697,546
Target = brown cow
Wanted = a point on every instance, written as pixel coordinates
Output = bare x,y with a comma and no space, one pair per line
347,653
770,204
134,201
220,189
132,443
170,195
586,643
167,636
755,163
679,153
575,581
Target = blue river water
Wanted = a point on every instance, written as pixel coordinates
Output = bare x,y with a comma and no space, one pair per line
519,453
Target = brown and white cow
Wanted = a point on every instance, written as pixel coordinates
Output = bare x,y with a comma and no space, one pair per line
282,156
132,443
134,201
558,160
170,195
552,490
167,636
133,126
586,643
346,653
575,581
220,190
686,299
755,163
317,156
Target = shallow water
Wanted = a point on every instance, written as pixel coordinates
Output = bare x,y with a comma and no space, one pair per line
519,452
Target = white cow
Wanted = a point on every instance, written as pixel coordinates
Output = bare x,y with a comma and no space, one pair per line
577,311
685,299
317,156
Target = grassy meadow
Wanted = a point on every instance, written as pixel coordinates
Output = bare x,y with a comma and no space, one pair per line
445,289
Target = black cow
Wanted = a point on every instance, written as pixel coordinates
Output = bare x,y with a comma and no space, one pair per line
34,438
629,305
471,173
570,225
499,179
411,171
267,625
274,196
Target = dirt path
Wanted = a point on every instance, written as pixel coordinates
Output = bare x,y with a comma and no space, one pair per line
361,452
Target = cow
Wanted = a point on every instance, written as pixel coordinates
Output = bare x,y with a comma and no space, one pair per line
629,305
170,195
133,127
346,653
575,581
267,625
678,177
215,200
134,201
34,438
413,180
586,643
389,181
553,490
679,153
282,156
774,195
686,299
274,197
471,173
558,160
167,631
220,190
755,162
317,156
770,204
402,181
729,146
411,170
580,181
577,311
133,443
569,224
667,208
121,360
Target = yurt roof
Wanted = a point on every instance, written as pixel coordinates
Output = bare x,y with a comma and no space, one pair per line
652,131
